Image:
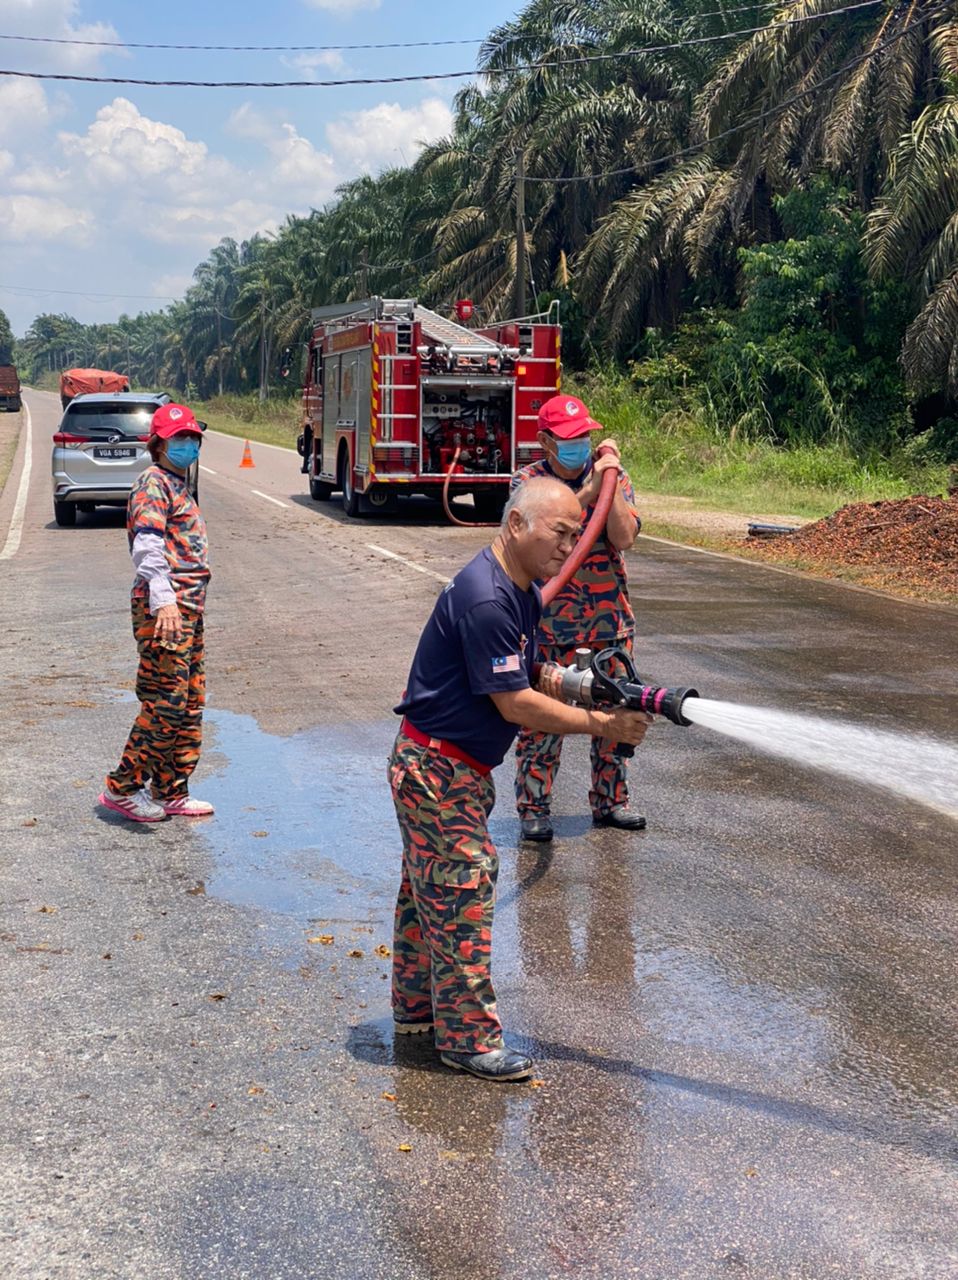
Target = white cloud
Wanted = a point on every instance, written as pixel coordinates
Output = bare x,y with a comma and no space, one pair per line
23,108
297,168
388,134
28,219
6,162
122,143
343,6
308,64
40,180
56,20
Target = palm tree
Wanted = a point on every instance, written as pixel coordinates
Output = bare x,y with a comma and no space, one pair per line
213,298
913,235
789,101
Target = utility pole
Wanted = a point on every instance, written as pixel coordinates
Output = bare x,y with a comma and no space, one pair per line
520,298
364,272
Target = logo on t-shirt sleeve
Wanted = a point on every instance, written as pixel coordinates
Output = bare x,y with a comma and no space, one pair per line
500,666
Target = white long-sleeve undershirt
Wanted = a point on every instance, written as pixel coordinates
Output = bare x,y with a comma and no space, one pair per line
150,563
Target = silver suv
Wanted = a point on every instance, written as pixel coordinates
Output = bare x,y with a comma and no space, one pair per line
99,449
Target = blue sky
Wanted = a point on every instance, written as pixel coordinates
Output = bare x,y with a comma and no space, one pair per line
121,190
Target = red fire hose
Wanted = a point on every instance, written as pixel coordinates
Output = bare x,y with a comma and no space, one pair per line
465,524
587,538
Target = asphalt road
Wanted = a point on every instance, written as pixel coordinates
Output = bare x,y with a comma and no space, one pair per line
743,1019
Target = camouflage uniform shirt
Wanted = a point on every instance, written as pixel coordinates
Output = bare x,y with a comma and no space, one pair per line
161,503
594,608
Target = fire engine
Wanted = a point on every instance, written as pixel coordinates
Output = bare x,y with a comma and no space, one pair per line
399,399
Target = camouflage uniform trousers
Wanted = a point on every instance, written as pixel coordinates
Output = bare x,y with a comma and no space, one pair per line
538,755
164,743
442,940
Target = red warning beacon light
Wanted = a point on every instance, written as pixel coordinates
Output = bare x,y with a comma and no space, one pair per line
464,309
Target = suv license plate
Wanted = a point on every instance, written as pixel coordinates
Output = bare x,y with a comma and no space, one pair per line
118,452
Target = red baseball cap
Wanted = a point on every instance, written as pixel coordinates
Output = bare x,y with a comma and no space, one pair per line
566,417
172,418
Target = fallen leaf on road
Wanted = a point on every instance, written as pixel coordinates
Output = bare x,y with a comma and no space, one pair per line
198,889
217,995
536,1084
255,1088
383,950
138,937
324,938
260,834
751,1173
355,954
30,822
47,911
389,1097
404,1146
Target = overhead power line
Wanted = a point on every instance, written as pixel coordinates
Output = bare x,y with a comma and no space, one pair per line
88,293
756,119
579,60
237,48
322,48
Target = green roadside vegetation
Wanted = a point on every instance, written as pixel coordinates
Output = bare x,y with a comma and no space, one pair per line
9,436
688,453
274,421
676,452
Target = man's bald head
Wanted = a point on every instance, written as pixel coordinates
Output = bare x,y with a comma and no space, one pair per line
541,496
540,524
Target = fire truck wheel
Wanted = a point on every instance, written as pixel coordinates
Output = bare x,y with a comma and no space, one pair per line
380,497
350,496
319,491
489,503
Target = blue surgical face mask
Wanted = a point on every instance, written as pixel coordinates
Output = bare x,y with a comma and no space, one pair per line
573,454
183,453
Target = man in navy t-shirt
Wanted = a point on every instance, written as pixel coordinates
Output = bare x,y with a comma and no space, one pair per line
470,689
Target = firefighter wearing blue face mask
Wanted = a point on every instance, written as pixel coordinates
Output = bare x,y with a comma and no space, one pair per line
593,611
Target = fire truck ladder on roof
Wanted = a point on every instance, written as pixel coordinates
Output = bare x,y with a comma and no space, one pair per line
436,328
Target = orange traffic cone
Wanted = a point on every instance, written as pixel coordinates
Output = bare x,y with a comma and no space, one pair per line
247,457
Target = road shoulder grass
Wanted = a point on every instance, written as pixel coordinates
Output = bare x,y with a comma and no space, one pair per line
10,424
720,490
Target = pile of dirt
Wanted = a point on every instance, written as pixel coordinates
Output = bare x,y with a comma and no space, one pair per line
910,545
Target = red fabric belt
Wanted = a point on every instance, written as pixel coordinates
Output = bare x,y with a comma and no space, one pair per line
444,748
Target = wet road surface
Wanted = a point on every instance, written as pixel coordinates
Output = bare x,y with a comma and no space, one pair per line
743,1019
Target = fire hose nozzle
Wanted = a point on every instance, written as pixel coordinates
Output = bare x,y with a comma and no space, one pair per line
668,703
590,683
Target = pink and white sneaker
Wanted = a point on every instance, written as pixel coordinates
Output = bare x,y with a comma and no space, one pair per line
137,807
186,807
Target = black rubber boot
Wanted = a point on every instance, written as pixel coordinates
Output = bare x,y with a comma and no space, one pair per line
537,826
498,1065
621,819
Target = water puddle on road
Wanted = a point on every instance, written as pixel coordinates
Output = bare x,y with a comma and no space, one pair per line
301,829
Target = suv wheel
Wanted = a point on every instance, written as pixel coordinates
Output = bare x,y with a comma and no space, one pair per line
65,513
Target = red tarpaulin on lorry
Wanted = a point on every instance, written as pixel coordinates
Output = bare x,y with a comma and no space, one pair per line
82,382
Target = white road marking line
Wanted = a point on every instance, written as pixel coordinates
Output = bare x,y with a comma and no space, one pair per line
410,564
209,470
268,498
12,544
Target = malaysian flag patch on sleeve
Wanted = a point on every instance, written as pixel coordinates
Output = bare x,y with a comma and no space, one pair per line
502,665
